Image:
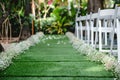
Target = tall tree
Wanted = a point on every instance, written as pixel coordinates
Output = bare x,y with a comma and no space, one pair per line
28,9
33,12
94,5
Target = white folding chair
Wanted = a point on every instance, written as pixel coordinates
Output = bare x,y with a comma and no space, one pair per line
76,28
116,30
101,28
93,29
105,25
88,29
81,27
76,25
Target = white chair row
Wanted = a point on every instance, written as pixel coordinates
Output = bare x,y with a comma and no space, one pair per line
99,29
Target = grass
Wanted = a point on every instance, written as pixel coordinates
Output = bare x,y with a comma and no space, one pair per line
56,69
53,78
54,59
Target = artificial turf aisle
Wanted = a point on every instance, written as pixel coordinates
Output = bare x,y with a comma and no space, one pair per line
54,59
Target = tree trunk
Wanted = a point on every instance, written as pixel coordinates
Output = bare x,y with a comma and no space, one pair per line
33,12
21,27
94,5
28,9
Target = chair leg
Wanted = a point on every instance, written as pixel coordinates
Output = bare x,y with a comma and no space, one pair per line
91,23
77,32
100,37
88,33
81,31
112,41
118,39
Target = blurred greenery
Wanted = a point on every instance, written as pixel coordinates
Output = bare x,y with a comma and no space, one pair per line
52,18
15,12
83,6
62,19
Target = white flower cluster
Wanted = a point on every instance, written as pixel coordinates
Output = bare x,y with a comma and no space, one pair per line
15,49
108,61
117,70
54,37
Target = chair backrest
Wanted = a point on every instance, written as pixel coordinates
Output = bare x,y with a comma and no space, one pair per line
103,13
77,18
117,17
82,18
88,17
106,12
93,15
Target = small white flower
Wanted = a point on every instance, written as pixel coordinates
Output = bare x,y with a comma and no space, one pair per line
48,44
58,42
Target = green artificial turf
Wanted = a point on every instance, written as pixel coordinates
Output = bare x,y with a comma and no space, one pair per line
56,69
53,78
54,59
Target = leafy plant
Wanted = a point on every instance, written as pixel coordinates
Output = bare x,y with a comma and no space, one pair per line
44,24
60,19
84,7
56,28
63,20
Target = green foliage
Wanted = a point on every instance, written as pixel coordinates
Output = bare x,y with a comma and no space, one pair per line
60,21
83,7
44,24
117,1
64,19
56,28
15,11
108,3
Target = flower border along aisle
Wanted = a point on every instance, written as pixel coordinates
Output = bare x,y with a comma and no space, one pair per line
15,49
110,62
